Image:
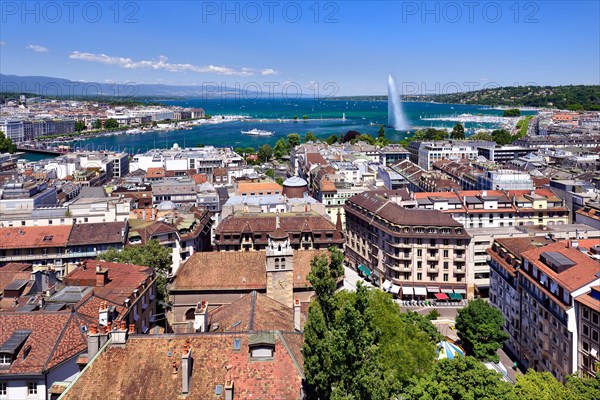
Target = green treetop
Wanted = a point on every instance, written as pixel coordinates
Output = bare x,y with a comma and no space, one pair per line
479,327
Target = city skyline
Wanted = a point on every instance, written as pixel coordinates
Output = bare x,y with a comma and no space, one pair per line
429,47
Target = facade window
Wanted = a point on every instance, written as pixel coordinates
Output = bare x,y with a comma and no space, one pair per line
406,276
419,264
586,313
5,359
446,242
3,389
432,242
419,253
586,330
445,277
446,265
419,276
419,241
32,388
595,318
445,253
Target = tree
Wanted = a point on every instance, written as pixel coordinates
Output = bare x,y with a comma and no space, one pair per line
502,136
80,126
6,144
310,137
152,254
265,152
111,123
463,378
293,140
332,139
295,118
305,117
424,325
270,173
458,132
584,388
541,386
239,151
512,112
281,148
365,137
98,124
479,327
249,150
353,340
381,132
349,136
482,136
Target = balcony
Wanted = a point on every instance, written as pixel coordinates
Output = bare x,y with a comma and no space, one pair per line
432,258
458,271
434,268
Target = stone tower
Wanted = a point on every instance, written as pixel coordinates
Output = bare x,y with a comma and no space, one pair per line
280,266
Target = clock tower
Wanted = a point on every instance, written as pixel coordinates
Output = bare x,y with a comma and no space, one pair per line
280,266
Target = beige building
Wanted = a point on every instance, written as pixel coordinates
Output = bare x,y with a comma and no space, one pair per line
588,313
411,252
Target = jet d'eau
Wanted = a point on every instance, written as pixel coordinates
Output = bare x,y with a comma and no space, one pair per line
396,117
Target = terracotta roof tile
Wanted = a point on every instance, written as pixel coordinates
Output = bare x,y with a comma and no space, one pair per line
237,270
27,237
55,337
143,370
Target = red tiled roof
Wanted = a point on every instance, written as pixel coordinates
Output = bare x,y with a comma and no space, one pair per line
253,312
237,270
583,272
155,172
142,369
27,237
123,279
55,337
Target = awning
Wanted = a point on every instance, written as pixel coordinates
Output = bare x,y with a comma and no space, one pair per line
364,270
395,289
456,296
407,291
461,291
433,289
386,285
420,291
441,296
447,290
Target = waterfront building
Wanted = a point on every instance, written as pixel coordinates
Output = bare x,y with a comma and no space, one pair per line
587,310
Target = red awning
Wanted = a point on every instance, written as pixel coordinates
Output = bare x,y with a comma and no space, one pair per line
441,296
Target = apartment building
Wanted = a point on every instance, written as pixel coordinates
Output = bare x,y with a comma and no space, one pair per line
425,154
422,253
587,310
535,285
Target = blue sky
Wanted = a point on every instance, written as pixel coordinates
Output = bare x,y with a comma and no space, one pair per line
428,46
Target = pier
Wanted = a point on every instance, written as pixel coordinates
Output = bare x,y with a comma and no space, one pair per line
43,149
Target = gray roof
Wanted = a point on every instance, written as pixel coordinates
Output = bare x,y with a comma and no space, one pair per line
70,294
17,284
15,341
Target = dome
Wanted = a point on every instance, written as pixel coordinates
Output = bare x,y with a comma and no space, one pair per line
295,181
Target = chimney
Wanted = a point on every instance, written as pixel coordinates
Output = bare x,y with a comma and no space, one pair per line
201,317
186,368
297,315
119,335
228,384
131,329
93,341
101,275
102,336
103,319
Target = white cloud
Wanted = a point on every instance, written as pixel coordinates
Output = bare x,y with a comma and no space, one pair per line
163,64
37,48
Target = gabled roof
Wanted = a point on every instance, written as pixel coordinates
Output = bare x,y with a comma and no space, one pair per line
142,369
55,337
253,312
241,270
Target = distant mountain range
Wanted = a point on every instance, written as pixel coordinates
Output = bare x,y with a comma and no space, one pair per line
49,86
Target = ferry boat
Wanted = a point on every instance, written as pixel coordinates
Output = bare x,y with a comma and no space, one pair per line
257,132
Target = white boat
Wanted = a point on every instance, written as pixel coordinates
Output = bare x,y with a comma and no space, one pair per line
257,132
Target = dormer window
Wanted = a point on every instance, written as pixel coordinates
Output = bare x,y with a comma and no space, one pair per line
261,346
5,359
